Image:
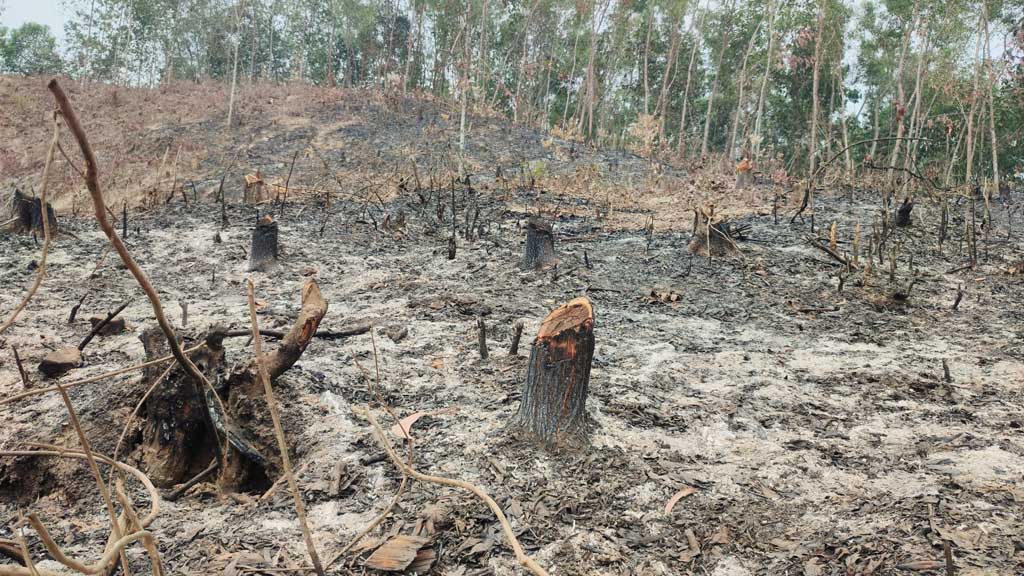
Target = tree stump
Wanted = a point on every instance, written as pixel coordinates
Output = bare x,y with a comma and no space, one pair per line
553,407
540,245
28,214
253,458
903,212
744,174
263,251
176,444
717,239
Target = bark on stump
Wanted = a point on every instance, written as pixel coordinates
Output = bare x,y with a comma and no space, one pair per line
176,444
553,407
253,458
28,214
540,245
263,251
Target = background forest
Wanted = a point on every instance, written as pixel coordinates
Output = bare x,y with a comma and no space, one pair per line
672,79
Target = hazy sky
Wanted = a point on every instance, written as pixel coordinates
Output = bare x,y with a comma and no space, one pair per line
50,12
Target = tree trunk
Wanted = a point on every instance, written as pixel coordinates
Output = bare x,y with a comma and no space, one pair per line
901,104
553,407
263,251
714,83
176,444
991,103
764,83
742,83
812,146
540,245
686,90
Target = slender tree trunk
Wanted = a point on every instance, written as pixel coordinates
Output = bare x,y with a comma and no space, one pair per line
900,97
686,90
969,155
740,103
647,53
812,145
764,80
234,72
572,76
991,102
669,77
714,83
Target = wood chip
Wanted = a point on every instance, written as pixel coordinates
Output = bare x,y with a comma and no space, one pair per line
683,493
396,554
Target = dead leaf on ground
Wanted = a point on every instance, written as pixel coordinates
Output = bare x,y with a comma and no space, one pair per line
396,554
721,536
404,426
683,493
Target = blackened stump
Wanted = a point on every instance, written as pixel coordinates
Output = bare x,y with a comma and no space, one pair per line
263,252
28,214
540,245
903,213
176,443
553,407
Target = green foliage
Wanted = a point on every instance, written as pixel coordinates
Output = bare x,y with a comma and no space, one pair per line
29,50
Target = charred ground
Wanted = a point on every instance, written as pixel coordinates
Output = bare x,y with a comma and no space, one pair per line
816,425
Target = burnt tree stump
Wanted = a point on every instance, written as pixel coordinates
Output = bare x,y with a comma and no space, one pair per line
903,212
253,458
27,214
263,250
176,444
540,245
553,407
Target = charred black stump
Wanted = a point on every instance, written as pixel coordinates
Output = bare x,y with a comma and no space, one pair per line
553,407
540,245
176,443
27,214
903,212
263,252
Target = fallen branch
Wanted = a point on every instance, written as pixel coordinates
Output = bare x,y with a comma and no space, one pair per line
92,183
47,236
521,556
115,527
262,373
101,325
828,250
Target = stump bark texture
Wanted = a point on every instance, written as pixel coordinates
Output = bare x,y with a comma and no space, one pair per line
540,245
28,214
263,251
553,407
176,443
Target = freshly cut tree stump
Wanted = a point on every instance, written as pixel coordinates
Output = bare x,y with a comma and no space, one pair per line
553,407
28,214
263,251
540,245
176,444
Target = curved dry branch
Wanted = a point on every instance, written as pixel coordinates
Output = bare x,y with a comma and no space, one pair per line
506,527
92,183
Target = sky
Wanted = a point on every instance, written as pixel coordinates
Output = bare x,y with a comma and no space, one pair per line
14,13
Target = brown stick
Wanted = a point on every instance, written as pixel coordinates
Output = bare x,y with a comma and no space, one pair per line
177,492
97,378
47,237
115,527
21,369
263,374
92,183
100,325
517,549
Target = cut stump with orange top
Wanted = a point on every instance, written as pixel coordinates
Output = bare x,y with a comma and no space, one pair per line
553,407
